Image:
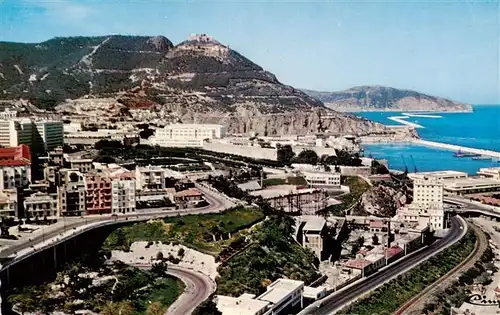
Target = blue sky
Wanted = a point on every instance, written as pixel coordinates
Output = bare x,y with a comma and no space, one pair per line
445,48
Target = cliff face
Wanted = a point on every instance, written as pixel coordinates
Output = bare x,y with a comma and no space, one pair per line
383,200
148,78
379,98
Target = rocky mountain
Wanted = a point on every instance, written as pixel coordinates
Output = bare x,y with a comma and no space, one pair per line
149,78
384,200
380,98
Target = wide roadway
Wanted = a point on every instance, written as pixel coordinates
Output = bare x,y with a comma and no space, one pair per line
337,300
216,204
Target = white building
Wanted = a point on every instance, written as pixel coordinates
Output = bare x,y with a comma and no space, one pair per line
282,294
187,135
41,205
8,203
43,135
8,114
440,175
490,172
17,175
149,177
245,304
427,206
123,193
472,185
322,179
427,192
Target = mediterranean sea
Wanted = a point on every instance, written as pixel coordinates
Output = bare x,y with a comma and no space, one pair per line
479,129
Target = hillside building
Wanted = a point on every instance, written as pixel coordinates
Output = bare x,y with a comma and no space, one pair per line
8,203
322,179
187,135
39,135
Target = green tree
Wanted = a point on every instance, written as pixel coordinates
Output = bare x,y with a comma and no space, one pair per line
307,157
285,154
207,307
159,268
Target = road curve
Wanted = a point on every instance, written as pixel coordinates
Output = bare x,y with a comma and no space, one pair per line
340,298
216,204
198,288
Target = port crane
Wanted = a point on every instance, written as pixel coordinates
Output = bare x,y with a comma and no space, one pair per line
404,163
414,165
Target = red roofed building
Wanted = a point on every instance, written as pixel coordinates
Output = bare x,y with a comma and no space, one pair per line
15,167
21,152
392,253
190,194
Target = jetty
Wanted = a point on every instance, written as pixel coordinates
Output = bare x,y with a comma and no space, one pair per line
422,115
457,148
401,120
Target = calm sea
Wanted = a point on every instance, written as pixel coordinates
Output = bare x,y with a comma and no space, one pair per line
480,129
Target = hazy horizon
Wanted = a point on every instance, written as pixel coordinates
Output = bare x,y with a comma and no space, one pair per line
445,49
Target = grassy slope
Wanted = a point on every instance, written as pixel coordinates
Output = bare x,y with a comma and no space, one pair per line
272,255
194,230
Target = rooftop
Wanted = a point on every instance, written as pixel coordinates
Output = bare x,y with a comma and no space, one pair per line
357,263
470,182
190,192
243,305
314,223
279,289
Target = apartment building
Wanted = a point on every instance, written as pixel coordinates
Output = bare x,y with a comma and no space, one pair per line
98,196
427,206
39,135
15,167
150,177
123,193
8,203
41,205
428,192
187,135
71,193
82,165
313,233
322,179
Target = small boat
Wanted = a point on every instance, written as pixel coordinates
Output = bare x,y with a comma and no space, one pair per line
482,158
461,154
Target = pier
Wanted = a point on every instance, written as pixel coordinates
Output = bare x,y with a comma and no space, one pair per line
453,147
401,120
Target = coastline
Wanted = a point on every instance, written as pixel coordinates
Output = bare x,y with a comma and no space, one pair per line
402,110
432,144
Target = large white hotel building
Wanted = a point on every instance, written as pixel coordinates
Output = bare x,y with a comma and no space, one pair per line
187,135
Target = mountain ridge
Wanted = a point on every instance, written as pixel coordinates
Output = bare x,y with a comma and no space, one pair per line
382,98
145,78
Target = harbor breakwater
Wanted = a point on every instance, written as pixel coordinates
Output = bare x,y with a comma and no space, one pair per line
433,144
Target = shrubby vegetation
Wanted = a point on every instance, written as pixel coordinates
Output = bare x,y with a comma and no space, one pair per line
459,291
389,297
121,287
357,187
209,233
272,254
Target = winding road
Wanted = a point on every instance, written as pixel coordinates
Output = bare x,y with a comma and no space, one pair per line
198,287
350,293
80,225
